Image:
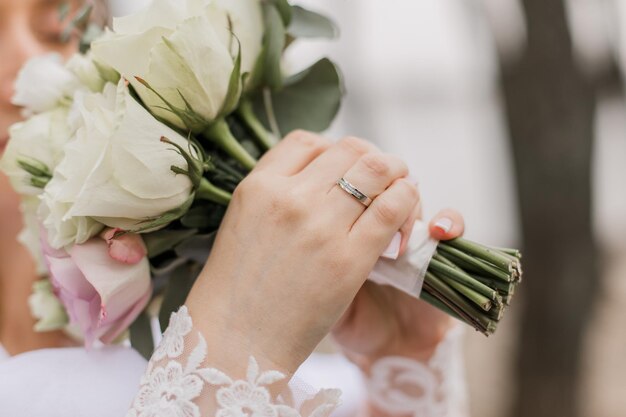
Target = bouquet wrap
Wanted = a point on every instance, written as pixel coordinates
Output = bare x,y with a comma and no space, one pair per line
407,272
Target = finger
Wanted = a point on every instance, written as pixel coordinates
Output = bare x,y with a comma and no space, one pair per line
372,174
447,224
407,228
293,153
331,165
386,215
400,241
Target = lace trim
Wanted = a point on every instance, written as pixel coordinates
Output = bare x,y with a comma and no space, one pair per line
177,385
402,386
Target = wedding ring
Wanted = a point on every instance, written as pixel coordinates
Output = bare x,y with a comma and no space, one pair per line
354,192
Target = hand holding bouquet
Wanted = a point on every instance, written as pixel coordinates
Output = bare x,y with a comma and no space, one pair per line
133,150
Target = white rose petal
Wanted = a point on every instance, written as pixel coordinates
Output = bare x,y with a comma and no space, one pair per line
63,230
42,138
184,47
84,68
44,83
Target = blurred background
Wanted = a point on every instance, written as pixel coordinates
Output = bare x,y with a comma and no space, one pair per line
513,112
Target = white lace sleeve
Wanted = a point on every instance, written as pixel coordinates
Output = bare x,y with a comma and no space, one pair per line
398,386
178,383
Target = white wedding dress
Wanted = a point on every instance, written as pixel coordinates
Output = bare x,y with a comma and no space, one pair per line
178,381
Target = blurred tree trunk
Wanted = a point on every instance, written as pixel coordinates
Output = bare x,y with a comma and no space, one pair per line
550,107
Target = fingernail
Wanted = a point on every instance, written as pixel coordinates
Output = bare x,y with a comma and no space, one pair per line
444,224
393,250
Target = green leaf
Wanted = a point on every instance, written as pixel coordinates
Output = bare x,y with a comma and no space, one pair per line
195,164
34,167
308,24
267,69
178,287
310,100
164,240
141,336
284,9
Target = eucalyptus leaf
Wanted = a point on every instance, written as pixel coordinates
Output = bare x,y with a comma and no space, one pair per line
176,292
267,70
164,240
141,336
309,100
308,24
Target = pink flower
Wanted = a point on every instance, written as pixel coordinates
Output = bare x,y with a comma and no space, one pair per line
102,295
127,248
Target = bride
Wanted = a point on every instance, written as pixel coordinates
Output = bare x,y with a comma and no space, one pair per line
289,266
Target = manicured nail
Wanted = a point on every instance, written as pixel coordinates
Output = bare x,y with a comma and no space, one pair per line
393,250
444,224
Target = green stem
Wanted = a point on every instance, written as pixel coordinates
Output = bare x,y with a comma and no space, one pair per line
208,191
460,305
462,277
433,301
478,299
505,287
511,252
475,263
438,256
263,137
219,133
487,254
269,110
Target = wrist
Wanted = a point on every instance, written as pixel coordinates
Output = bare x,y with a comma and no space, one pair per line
234,335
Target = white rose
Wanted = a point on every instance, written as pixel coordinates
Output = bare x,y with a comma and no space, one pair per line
63,230
43,84
84,68
184,48
40,138
47,308
116,171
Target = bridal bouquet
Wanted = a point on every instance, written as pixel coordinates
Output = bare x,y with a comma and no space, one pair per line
132,149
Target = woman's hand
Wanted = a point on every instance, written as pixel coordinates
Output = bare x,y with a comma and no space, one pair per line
383,321
294,249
